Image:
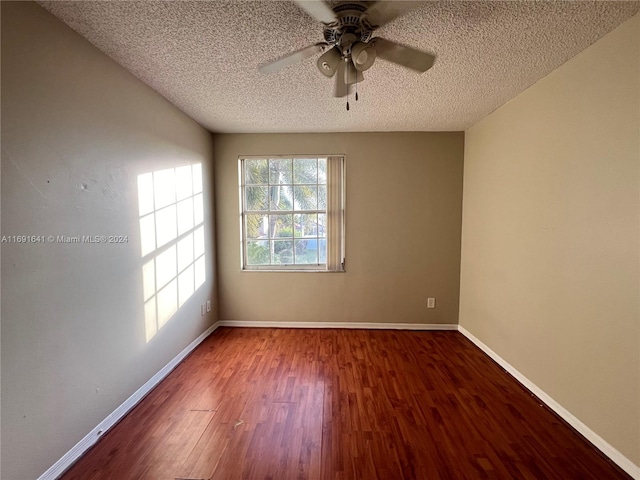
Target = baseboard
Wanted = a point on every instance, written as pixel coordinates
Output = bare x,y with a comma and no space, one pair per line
114,417
352,325
601,444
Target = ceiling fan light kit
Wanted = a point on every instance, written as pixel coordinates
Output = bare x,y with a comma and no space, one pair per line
349,47
328,62
363,55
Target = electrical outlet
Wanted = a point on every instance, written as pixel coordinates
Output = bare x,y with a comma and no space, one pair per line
208,305
431,303
202,309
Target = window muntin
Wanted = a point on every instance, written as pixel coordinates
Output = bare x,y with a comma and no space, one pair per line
285,212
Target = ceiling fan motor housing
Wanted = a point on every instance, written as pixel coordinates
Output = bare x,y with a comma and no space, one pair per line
351,26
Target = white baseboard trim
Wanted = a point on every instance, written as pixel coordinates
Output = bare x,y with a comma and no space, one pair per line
600,443
114,417
351,325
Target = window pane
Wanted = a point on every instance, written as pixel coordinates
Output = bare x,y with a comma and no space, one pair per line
280,171
256,172
307,251
305,197
322,221
322,250
281,226
257,252
255,198
282,251
322,171
305,170
281,197
257,226
306,225
322,197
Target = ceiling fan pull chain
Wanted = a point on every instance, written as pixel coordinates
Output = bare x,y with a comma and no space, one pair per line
347,82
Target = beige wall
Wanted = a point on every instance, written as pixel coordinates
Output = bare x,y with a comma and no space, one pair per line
403,197
77,129
550,260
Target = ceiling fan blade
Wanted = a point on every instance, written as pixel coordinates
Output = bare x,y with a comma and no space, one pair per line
383,12
292,58
402,55
351,74
318,9
342,89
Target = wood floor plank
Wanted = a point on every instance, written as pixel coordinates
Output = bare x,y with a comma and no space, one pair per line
169,456
324,404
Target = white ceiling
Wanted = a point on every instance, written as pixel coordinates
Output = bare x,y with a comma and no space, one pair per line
203,57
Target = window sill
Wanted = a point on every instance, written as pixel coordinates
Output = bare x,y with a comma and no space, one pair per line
289,270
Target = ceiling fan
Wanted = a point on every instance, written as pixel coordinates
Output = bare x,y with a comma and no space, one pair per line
350,47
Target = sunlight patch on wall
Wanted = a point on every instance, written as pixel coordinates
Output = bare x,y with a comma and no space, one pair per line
171,211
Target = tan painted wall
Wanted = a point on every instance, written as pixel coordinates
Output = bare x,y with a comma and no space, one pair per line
402,232
73,334
550,242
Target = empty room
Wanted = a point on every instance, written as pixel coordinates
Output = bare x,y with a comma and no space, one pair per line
309,239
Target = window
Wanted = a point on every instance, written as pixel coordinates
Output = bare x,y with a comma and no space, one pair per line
292,213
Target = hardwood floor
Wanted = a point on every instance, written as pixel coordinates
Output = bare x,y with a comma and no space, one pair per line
341,404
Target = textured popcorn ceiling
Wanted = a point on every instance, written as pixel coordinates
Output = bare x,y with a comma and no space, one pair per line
203,57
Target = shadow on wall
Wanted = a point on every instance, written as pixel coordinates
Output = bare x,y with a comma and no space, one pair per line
171,215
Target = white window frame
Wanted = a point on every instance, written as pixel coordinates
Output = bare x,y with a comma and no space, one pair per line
335,215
